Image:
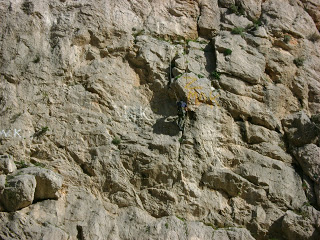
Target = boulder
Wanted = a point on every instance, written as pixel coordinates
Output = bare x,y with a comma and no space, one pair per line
296,227
18,192
299,129
308,157
48,182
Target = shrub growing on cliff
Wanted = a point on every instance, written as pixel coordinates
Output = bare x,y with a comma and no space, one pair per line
237,30
236,9
116,141
298,61
286,38
254,26
227,52
21,164
215,75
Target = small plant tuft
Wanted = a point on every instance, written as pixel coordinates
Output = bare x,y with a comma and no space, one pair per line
298,61
178,76
236,9
254,26
286,38
116,141
41,132
227,52
307,204
38,164
238,30
21,164
200,76
36,60
166,225
304,186
215,75
181,218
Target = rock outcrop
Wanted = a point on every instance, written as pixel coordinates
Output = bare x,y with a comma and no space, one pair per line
88,93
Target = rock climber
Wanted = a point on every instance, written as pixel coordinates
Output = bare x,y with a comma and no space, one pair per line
182,112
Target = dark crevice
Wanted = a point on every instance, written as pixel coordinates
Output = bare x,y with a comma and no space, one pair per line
80,235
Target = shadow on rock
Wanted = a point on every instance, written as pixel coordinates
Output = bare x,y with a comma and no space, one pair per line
166,126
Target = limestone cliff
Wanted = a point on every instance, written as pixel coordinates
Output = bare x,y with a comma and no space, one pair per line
89,144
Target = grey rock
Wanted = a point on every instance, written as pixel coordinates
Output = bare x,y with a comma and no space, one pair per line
252,8
288,17
298,227
19,192
210,18
2,182
308,157
237,21
7,164
299,129
93,70
48,182
244,62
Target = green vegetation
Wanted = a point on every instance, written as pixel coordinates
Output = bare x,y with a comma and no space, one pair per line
227,52
38,164
238,30
215,75
21,164
200,76
304,186
236,9
257,22
210,225
36,60
177,77
302,213
286,38
116,141
181,218
148,229
254,26
298,61
138,33
307,204
41,132
166,225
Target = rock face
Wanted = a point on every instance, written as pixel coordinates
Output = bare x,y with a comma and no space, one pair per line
19,192
88,93
48,182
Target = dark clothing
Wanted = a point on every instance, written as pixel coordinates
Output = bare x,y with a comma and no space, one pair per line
182,107
182,104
